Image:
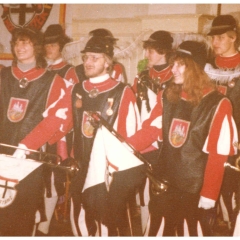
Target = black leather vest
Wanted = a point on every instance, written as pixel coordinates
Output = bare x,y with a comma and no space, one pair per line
82,144
36,93
184,166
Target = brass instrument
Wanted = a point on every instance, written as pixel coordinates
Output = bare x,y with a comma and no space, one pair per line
72,167
236,167
237,162
158,186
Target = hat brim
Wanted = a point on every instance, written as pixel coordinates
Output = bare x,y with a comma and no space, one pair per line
182,54
150,40
112,38
219,31
93,49
200,61
52,39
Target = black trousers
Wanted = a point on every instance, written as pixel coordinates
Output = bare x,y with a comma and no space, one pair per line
175,206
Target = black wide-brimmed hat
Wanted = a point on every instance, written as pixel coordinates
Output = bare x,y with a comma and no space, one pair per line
161,39
222,24
196,50
55,33
99,45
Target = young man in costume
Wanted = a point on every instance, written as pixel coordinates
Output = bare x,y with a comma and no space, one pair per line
54,40
224,70
117,71
27,89
155,76
102,204
195,124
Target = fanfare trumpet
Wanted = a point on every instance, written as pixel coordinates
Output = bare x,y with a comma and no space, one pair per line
237,161
158,186
47,158
236,167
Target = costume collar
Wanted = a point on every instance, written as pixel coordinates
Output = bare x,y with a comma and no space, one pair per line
52,62
159,68
57,65
30,75
220,75
228,62
164,75
206,91
104,85
99,79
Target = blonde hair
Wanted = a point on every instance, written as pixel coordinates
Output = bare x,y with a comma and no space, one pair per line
234,34
109,60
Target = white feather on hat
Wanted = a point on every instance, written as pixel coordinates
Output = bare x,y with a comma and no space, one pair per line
126,49
72,50
178,38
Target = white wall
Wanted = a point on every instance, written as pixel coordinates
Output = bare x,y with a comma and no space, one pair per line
93,11
133,22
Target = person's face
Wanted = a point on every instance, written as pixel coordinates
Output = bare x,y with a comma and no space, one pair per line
52,51
154,58
94,64
223,45
24,50
178,70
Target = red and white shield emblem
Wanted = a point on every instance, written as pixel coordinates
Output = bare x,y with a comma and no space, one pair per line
7,191
16,109
87,128
178,132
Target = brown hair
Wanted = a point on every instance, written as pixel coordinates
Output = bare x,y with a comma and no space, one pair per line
195,81
158,49
233,34
36,39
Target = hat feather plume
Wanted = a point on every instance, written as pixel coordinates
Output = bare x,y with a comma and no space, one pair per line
72,50
126,49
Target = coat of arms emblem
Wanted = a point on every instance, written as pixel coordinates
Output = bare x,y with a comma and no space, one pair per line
25,15
16,109
178,132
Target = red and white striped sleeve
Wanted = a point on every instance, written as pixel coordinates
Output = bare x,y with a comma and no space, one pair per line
57,120
128,119
151,130
117,72
219,145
